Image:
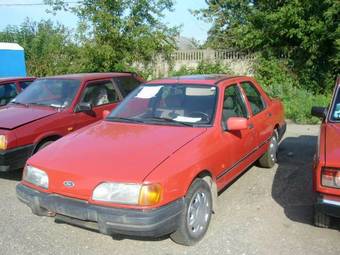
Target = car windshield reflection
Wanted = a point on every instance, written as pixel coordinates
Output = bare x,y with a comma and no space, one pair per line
175,104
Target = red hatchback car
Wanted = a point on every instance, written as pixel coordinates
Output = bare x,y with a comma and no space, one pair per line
155,165
55,106
11,87
327,162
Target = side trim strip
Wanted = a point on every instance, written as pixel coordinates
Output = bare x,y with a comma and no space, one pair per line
242,159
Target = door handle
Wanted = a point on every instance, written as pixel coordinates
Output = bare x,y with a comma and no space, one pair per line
269,114
251,126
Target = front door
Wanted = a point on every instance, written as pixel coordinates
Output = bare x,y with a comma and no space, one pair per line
236,146
102,95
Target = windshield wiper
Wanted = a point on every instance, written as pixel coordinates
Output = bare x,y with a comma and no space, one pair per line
171,120
121,119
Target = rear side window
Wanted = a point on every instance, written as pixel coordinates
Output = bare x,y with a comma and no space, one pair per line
127,84
24,84
254,97
7,93
100,93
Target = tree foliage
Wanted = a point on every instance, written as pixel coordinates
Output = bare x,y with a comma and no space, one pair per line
49,48
306,32
116,34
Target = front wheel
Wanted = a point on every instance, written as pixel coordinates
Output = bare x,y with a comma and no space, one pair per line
196,217
269,159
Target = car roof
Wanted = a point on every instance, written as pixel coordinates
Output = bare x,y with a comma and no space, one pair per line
12,79
207,79
89,76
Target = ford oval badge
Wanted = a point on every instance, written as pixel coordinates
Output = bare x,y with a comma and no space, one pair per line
69,184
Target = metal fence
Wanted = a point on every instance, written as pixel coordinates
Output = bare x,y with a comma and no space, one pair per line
209,55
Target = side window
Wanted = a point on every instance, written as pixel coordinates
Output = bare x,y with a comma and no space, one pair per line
336,108
254,97
24,84
126,84
100,93
233,103
7,93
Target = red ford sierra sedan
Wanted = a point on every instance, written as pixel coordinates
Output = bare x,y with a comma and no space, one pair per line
11,87
155,165
55,106
327,162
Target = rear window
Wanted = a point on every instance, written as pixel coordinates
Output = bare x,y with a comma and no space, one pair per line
127,84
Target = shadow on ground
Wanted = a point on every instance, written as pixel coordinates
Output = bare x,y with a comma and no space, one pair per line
293,182
12,175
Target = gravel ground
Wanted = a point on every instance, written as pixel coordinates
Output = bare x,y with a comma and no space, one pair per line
263,212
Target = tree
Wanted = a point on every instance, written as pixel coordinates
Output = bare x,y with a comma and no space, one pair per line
117,34
306,32
49,49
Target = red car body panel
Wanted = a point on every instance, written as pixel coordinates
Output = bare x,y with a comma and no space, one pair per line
328,151
30,125
167,155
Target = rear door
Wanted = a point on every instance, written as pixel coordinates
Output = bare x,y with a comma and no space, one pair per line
102,95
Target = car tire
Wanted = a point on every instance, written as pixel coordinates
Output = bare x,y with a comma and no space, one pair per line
43,145
321,219
269,159
196,216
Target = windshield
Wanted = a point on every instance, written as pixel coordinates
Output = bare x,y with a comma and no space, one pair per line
50,92
335,115
171,104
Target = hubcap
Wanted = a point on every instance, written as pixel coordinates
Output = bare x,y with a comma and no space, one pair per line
198,213
273,149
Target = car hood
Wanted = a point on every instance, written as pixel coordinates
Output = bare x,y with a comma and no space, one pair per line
12,116
109,151
333,145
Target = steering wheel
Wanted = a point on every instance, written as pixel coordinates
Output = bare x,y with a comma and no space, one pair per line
197,114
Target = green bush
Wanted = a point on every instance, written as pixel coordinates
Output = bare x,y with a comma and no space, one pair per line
278,81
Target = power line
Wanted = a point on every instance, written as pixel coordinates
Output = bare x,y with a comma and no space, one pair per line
35,4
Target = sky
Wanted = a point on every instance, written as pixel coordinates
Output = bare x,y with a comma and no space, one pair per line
191,26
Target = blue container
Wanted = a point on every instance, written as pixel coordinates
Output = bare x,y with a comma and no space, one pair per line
12,60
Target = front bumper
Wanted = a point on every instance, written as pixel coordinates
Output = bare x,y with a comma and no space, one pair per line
15,158
329,205
107,220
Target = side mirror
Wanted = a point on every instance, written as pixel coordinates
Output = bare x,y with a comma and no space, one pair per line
106,113
236,124
320,112
84,107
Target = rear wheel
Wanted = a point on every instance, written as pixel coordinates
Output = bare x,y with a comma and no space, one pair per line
269,159
196,216
321,220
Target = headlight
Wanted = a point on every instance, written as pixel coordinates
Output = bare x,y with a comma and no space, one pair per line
36,176
3,142
134,194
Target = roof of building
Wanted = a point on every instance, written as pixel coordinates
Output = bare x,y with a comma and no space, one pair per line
10,46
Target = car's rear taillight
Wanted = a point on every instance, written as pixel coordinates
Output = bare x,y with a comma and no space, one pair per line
330,177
